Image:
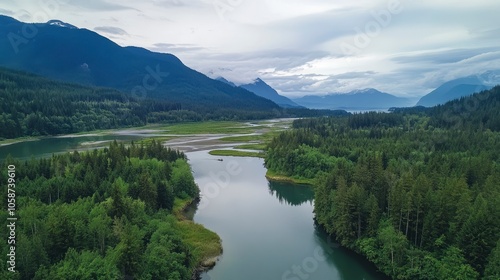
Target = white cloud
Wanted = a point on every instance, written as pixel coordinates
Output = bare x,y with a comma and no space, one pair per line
295,45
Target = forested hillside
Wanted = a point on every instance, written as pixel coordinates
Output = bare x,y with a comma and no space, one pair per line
82,56
33,106
104,214
479,111
417,194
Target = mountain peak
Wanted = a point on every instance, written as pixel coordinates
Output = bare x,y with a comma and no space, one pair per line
258,81
59,23
224,80
362,99
64,52
261,88
365,90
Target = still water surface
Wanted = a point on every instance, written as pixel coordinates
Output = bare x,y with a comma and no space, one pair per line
267,228
45,147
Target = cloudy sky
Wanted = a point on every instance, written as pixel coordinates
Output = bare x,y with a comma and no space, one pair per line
300,47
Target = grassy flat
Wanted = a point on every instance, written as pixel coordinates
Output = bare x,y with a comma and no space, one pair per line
208,127
205,244
257,146
236,153
247,138
283,178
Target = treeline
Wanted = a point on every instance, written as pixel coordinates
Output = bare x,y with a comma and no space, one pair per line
479,110
419,199
34,106
104,214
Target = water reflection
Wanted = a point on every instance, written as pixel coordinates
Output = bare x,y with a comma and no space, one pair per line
289,194
342,258
45,147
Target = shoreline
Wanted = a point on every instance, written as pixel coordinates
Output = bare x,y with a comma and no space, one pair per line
236,153
211,251
8,142
206,245
270,175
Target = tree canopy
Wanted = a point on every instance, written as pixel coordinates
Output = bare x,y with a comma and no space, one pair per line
416,192
102,214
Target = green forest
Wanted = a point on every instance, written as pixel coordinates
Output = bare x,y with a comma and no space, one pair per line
106,214
33,106
417,192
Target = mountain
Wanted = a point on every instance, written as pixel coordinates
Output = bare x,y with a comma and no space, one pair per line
478,111
452,90
31,105
63,52
260,88
366,99
221,79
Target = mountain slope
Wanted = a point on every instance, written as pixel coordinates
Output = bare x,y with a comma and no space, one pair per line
65,53
222,79
478,111
452,90
361,100
31,105
262,89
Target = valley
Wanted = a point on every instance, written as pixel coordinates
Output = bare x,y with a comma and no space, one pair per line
227,136
249,140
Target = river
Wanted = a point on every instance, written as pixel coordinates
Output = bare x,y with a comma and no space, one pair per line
267,228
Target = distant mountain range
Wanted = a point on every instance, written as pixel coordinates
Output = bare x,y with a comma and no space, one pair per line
457,88
366,99
64,52
261,88
61,51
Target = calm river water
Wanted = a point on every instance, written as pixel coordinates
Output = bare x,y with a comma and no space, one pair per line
267,228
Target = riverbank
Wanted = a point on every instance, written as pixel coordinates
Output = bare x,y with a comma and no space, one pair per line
236,153
205,245
7,142
191,136
270,175
267,227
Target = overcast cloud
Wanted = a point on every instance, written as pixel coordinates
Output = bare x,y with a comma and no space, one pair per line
300,47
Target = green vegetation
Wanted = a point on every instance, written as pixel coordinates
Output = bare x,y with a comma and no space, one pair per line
36,106
252,147
290,179
106,214
417,191
208,127
248,138
244,138
236,153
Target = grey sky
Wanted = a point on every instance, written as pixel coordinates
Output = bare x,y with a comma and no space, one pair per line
404,47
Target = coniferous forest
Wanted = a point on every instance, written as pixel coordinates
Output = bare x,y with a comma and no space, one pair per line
417,192
32,106
104,214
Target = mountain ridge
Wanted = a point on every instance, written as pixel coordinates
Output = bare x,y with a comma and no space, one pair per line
363,99
261,88
82,56
453,89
